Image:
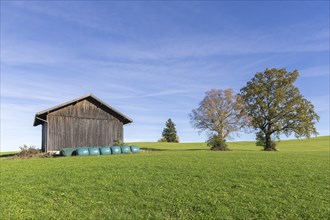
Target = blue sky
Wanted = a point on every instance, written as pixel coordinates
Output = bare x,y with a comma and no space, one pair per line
153,60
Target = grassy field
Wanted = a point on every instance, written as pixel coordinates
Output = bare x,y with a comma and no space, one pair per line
173,181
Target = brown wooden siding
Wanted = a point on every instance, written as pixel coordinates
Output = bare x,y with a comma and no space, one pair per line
82,124
83,109
44,137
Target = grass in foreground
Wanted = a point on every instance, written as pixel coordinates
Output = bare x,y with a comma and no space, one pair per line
173,183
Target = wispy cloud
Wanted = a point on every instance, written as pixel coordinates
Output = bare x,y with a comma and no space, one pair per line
17,52
208,46
68,12
316,71
321,103
245,42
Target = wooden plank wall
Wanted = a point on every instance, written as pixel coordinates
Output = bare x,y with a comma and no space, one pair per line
82,124
44,137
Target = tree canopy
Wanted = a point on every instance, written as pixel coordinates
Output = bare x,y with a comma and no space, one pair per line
276,107
220,114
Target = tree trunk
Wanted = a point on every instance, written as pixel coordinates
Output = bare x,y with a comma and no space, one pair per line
269,145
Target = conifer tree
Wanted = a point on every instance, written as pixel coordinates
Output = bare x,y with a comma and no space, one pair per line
169,132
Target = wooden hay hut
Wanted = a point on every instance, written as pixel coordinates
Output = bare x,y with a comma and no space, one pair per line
85,121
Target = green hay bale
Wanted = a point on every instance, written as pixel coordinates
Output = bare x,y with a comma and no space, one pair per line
83,151
67,152
135,149
125,149
94,151
105,150
115,150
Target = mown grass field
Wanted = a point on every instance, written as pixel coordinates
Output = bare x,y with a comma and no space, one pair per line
174,181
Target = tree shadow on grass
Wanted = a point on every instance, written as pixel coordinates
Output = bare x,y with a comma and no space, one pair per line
8,155
153,149
157,149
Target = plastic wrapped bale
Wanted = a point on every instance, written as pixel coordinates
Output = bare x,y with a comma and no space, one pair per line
83,151
125,149
67,152
115,150
135,149
105,150
94,151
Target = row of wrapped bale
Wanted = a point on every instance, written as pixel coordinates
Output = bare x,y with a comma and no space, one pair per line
85,151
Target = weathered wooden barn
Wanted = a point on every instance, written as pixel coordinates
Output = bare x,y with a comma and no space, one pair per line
85,121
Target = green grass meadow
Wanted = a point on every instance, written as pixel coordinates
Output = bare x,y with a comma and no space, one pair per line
173,181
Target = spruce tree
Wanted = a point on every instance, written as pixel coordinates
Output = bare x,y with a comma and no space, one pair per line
169,132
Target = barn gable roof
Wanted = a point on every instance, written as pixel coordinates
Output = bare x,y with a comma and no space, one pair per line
41,116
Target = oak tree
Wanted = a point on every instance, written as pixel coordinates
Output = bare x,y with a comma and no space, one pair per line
276,107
